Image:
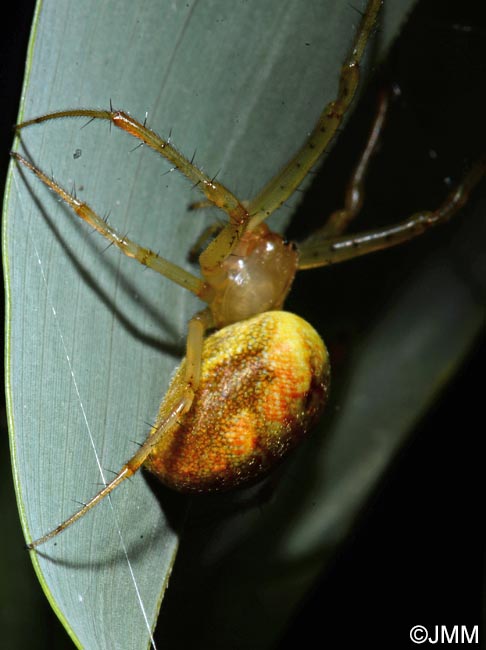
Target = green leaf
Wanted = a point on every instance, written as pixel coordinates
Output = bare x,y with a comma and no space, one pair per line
92,338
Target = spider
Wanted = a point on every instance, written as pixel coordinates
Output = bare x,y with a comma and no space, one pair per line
245,395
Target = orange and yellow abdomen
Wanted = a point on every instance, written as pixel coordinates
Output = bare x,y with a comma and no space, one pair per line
263,383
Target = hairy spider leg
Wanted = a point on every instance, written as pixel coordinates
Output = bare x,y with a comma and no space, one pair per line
283,185
196,329
216,193
131,249
198,324
338,222
127,471
314,252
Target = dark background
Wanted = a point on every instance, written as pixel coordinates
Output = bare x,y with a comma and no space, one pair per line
417,554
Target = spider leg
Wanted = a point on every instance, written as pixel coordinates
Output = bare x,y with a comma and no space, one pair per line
324,251
339,220
216,193
145,256
279,188
196,329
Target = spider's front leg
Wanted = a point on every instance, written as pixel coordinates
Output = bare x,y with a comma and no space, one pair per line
130,248
282,186
215,193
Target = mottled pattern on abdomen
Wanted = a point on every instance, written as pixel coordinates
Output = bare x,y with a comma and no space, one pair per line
264,381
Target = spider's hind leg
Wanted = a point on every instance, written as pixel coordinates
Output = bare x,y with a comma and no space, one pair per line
196,330
339,220
323,251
